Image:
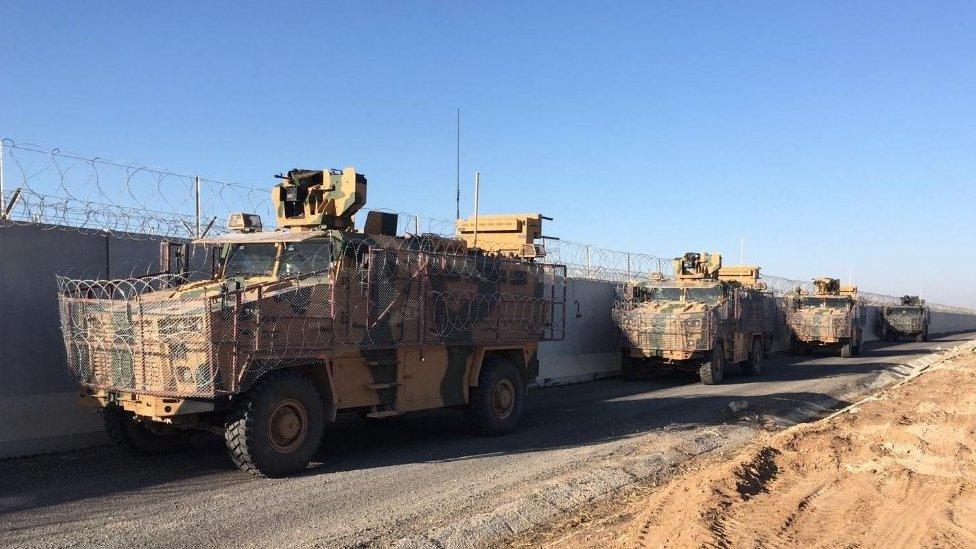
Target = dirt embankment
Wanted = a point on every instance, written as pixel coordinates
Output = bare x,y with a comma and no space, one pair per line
897,470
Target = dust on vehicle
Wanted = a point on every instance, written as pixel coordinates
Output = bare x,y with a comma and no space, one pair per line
707,317
295,325
829,318
910,319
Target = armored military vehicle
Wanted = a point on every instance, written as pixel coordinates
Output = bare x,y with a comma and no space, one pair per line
831,317
705,318
909,319
295,325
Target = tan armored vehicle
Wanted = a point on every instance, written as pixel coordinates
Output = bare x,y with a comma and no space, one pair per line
709,316
910,319
315,318
829,318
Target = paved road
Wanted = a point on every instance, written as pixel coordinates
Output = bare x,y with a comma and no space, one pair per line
388,479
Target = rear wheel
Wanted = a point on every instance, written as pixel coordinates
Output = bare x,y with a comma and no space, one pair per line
711,372
858,343
144,438
496,405
846,350
277,427
920,337
753,365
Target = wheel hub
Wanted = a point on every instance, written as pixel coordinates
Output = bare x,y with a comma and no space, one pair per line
287,425
503,399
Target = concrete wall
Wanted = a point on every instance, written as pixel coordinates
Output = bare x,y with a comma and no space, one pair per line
37,395
588,351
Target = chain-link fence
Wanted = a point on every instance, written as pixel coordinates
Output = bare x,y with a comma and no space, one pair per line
69,191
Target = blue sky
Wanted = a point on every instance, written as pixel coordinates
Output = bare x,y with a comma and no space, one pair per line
828,135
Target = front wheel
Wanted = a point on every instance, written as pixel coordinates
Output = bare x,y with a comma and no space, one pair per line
141,437
846,350
711,372
496,405
277,427
753,366
629,368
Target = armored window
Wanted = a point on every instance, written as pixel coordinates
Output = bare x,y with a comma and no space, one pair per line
305,258
251,260
710,294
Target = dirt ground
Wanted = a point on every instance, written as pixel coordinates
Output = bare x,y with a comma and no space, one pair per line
897,470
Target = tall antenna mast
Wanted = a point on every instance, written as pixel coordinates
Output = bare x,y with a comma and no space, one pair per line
457,174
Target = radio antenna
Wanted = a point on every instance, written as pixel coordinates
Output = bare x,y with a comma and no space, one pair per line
457,173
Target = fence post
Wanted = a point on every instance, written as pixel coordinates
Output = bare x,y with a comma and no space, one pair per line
3,199
588,266
196,184
628,265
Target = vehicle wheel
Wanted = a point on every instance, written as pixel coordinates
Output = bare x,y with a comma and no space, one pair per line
858,344
753,366
276,427
629,368
711,372
496,405
141,438
920,337
845,350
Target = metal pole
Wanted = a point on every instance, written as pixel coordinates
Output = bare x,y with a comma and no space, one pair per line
477,194
588,267
3,203
457,175
196,181
416,225
628,265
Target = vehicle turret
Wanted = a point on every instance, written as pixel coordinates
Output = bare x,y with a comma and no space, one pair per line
313,199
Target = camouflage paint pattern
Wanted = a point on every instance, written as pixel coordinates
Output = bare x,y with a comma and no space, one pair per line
397,323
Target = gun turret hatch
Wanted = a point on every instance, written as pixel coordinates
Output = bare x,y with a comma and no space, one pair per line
697,266
311,199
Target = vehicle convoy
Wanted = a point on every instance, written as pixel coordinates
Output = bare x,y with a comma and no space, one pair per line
295,325
707,317
909,319
831,317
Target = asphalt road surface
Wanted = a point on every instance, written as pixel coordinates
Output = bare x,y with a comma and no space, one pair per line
384,480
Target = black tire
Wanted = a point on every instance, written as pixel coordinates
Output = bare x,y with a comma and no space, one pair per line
857,343
846,350
920,337
496,405
277,426
629,368
141,438
712,371
753,366
797,348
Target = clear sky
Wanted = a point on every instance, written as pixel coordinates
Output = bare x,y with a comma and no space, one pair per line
828,135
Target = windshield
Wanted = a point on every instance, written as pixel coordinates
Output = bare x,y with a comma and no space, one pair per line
905,311
659,293
827,302
305,257
705,295
250,260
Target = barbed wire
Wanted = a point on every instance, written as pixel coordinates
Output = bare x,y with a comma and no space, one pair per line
61,190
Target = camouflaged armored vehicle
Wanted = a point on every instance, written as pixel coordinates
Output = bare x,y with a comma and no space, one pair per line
909,319
295,325
707,317
829,318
